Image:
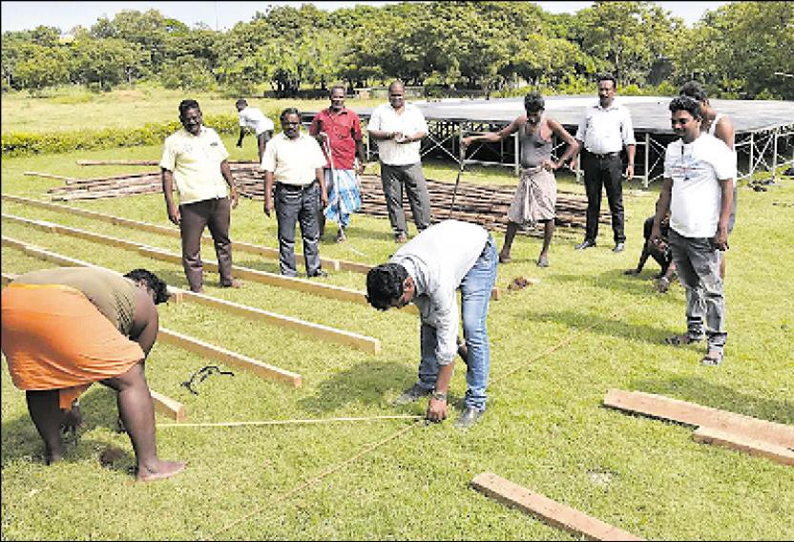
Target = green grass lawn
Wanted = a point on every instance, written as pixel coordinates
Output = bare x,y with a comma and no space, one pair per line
557,347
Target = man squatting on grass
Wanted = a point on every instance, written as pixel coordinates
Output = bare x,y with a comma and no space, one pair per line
427,271
698,191
64,329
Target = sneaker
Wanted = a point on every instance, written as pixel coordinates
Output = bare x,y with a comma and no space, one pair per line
236,283
319,273
587,243
469,417
340,235
401,238
619,247
413,394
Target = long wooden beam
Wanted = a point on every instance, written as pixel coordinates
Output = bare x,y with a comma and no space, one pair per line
547,510
758,448
225,356
659,406
327,263
319,331
362,342
273,279
229,358
162,403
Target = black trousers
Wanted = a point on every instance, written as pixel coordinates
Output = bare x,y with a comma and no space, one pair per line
604,171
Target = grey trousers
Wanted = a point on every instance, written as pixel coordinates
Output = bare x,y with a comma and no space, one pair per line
216,214
293,205
393,178
698,267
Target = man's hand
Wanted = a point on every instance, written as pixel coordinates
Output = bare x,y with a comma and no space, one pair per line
720,240
268,208
324,198
436,410
629,172
466,141
174,215
656,238
235,198
360,168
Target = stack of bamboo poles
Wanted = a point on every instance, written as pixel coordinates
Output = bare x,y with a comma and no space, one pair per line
486,205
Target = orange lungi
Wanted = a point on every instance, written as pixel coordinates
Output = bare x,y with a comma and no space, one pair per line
53,337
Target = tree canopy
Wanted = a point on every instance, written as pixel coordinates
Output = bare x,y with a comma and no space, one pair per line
489,46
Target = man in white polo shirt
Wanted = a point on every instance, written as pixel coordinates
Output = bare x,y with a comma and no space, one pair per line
196,160
253,118
295,162
398,128
698,191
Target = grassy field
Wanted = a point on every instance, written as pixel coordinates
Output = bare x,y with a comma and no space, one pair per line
557,347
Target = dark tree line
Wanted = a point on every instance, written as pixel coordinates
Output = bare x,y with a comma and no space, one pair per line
491,46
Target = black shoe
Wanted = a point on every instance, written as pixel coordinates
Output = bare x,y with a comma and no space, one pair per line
319,273
469,417
619,247
413,394
587,243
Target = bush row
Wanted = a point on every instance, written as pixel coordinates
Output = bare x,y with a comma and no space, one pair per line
25,143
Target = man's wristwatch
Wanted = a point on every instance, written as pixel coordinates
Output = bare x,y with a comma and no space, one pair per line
439,396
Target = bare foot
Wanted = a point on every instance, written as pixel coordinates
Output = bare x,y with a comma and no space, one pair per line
162,470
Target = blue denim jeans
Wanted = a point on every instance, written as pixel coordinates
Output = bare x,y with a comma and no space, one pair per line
475,297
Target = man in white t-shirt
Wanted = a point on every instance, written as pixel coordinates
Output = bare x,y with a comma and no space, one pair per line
398,128
295,162
253,118
698,191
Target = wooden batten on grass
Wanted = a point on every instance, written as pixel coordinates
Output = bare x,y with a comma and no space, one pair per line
228,357
547,510
659,406
327,263
367,344
168,407
758,448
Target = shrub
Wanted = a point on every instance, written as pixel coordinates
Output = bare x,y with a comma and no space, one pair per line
23,143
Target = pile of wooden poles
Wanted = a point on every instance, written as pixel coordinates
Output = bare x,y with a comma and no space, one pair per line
486,205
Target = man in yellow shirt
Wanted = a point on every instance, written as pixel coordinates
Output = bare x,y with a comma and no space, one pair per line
196,160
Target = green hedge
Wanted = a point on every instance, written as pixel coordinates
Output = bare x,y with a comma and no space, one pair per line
25,143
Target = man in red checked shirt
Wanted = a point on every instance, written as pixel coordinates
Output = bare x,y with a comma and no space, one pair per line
338,131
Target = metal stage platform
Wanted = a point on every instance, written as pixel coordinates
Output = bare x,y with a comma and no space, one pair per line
764,129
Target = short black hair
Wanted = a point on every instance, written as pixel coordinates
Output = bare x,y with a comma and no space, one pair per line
533,102
184,105
685,103
289,111
607,77
241,101
153,282
333,88
385,284
693,90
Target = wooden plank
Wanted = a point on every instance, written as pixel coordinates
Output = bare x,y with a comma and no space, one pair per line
282,281
547,510
228,357
49,176
328,263
659,406
51,227
367,344
168,407
362,342
778,454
